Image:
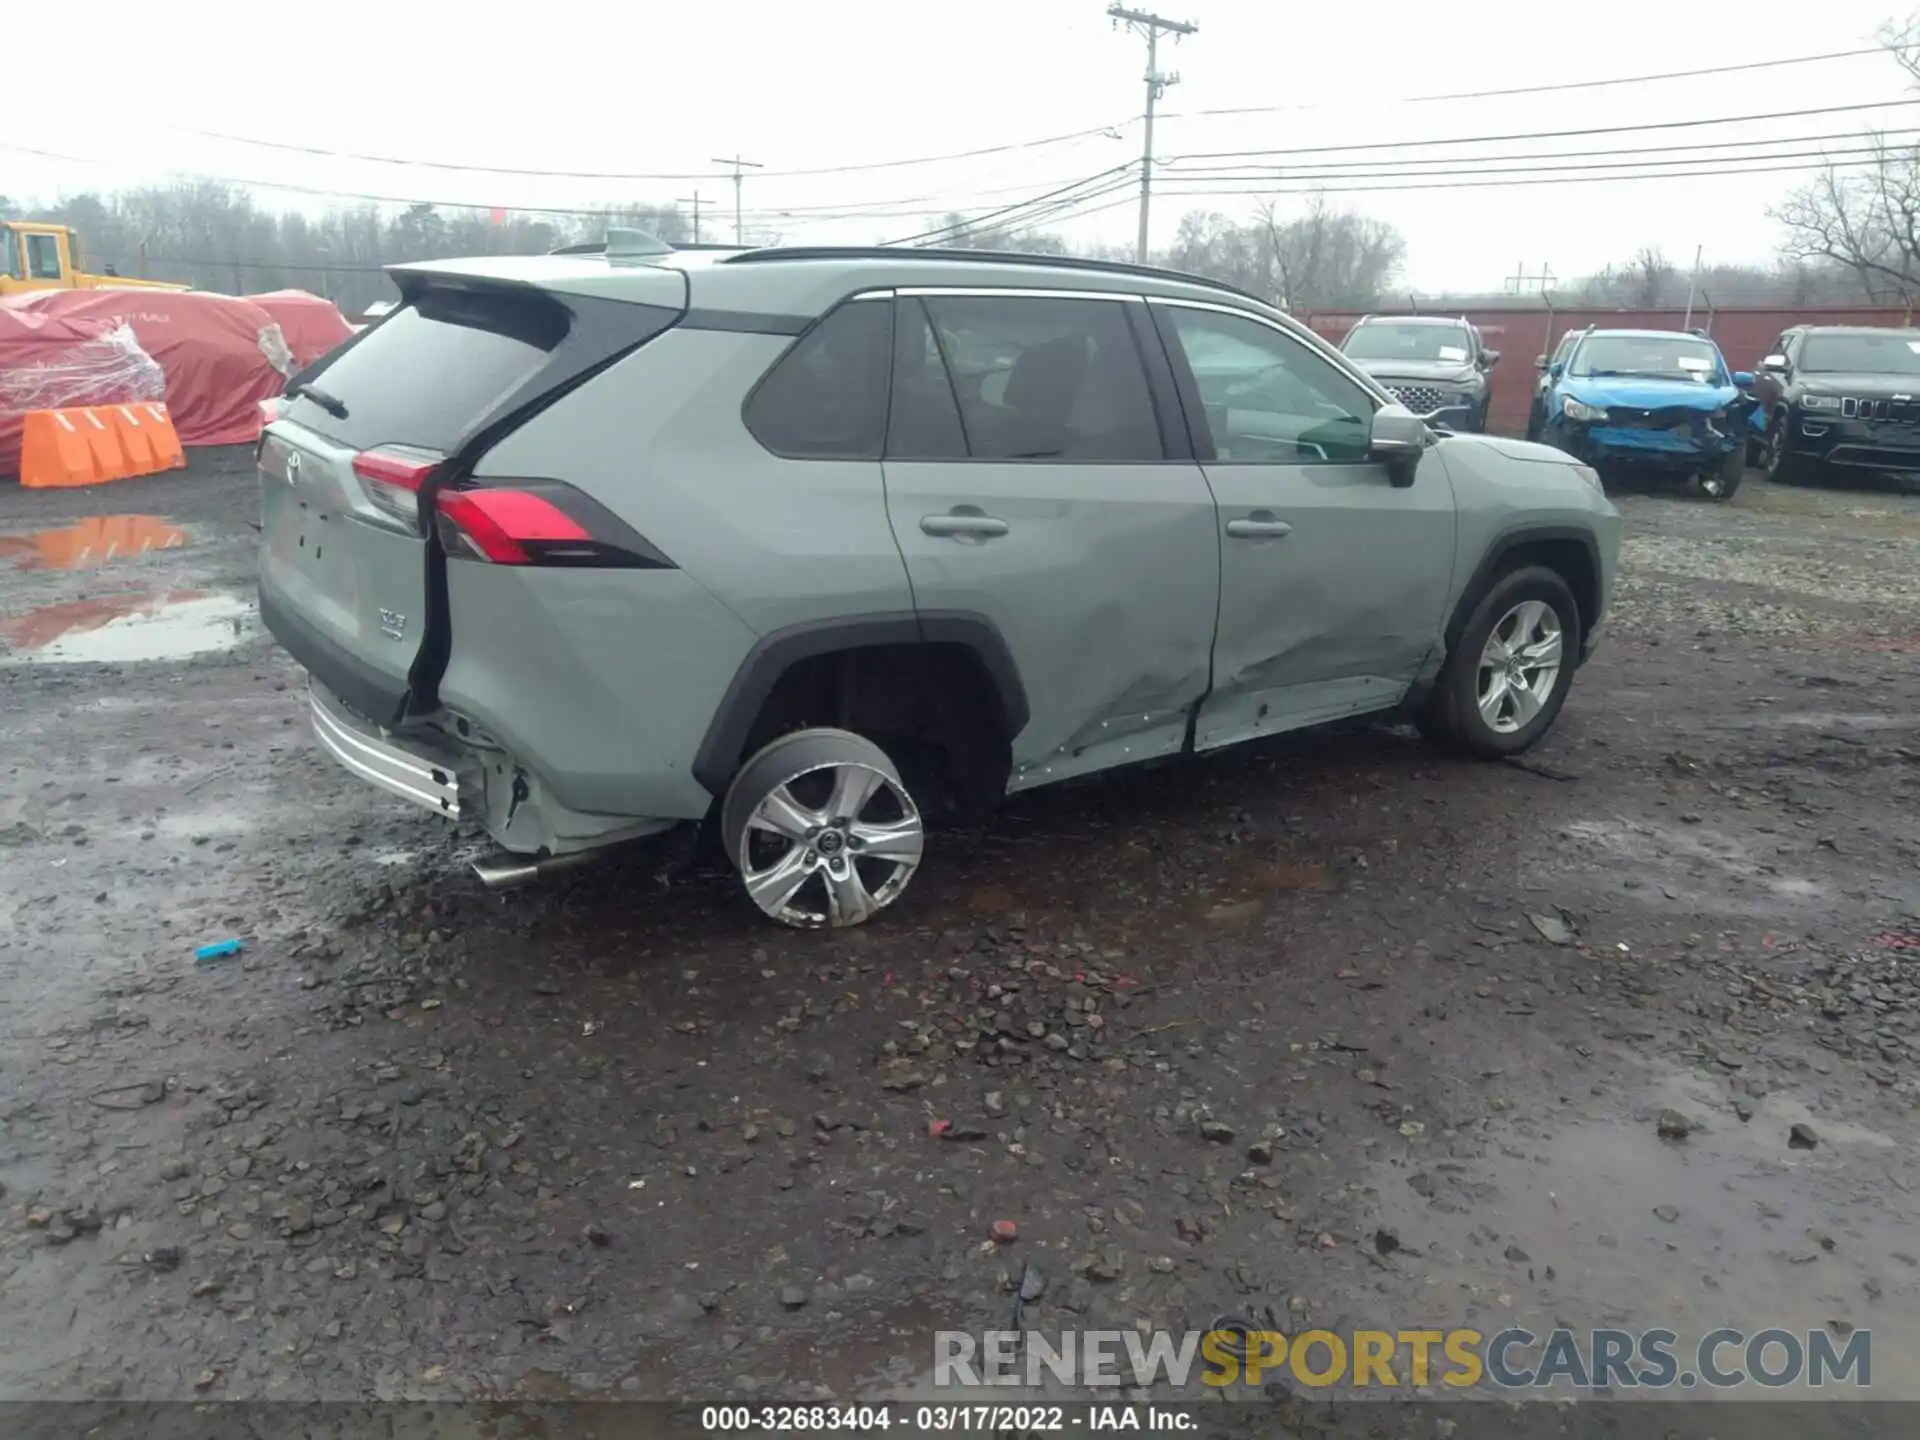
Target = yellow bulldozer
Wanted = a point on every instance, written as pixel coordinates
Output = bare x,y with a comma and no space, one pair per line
37,256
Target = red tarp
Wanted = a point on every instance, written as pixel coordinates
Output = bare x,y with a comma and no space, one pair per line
222,356
49,362
312,326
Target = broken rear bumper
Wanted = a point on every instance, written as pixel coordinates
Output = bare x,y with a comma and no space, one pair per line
468,777
411,771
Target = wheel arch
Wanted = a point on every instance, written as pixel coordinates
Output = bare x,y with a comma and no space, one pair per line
1567,549
779,652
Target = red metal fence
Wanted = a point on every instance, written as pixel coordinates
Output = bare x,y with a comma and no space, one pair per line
1744,335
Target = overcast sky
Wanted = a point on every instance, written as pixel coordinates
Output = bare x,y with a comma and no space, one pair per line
660,90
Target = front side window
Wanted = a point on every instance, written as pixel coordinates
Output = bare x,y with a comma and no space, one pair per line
1663,357
1435,344
826,398
1268,399
1039,378
43,257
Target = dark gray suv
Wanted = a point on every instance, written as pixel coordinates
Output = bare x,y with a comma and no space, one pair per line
1436,366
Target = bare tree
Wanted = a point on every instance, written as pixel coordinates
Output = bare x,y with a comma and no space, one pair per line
1866,219
214,237
1322,259
1650,276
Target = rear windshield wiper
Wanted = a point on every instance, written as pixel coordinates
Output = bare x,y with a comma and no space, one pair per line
332,404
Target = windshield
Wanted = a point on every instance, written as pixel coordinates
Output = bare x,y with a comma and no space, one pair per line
1435,343
1897,352
1667,357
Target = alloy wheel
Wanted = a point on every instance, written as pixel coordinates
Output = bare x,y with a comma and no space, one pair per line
831,846
1519,666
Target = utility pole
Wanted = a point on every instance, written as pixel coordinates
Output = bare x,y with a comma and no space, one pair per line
1151,26
736,162
1520,282
1693,281
696,202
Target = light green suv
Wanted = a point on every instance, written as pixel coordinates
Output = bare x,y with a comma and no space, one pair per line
810,544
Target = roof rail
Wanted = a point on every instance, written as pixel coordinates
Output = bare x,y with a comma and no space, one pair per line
986,257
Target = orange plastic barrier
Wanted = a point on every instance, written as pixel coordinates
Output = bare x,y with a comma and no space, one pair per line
94,444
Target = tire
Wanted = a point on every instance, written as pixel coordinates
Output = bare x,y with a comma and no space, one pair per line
1723,484
1783,467
839,842
1453,717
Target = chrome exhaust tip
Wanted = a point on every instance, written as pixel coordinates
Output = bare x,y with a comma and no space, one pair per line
512,871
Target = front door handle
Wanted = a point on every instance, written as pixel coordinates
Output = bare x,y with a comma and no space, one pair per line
1261,525
968,522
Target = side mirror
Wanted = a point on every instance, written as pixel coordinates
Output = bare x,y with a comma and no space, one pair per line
1489,359
1774,364
1539,362
1398,439
1556,370
1742,378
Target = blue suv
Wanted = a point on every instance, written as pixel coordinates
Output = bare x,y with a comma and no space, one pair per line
1658,404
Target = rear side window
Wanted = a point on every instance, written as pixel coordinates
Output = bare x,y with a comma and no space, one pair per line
1046,379
431,371
826,398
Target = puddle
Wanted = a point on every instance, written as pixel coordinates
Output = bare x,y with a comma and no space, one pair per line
124,628
1601,1222
91,543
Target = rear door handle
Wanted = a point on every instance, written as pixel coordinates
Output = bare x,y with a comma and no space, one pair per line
1261,525
962,523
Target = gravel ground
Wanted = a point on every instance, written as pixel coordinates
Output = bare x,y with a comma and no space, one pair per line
1327,1031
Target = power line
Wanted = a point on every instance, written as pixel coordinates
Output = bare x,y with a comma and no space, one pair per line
1110,130
851,210
363,158
1072,207
1173,170
1719,171
1547,170
1153,27
1550,134
1554,88
1007,215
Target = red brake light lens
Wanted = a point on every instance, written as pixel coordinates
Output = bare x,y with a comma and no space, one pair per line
498,525
392,477
538,522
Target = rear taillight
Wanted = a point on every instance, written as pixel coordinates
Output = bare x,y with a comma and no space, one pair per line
392,477
270,410
538,522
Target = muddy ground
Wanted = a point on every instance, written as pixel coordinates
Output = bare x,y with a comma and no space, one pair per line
1330,1031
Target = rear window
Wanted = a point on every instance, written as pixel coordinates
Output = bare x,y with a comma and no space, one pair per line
434,368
